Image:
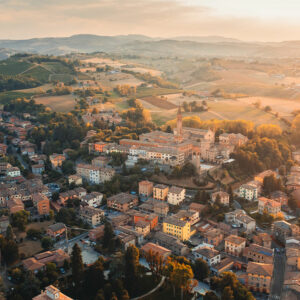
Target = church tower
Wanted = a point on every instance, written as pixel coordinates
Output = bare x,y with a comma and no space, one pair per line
179,132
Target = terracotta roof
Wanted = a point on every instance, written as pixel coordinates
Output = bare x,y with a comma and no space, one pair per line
234,239
156,249
260,269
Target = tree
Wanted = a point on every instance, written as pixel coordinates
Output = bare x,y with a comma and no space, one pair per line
227,294
10,251
20,219
9,233
180,276
77,267
201,269
108,235
271,184
46,243
131,267
94,279
210,296
155,262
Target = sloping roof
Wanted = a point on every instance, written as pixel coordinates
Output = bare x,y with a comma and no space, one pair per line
260,269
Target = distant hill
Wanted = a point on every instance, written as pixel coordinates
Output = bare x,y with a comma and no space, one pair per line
6,53
143,45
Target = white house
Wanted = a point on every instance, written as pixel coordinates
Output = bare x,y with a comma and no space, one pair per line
176,195
210,255
13,172
93,199
248,192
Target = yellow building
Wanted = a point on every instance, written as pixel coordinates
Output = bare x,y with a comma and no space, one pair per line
160,192
180,229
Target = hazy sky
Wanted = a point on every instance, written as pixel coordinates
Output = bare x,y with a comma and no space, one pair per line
264,20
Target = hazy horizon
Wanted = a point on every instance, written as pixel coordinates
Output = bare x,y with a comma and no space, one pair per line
263,20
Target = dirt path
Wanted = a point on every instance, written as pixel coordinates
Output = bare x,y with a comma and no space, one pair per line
217,115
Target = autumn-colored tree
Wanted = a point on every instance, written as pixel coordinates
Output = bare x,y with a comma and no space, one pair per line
155,262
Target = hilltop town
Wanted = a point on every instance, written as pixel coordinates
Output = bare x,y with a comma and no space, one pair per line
201,199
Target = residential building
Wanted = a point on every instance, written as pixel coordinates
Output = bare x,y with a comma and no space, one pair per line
259,277
235,245
56,230
40,260
14,205
268,206
190,216
100,161
158,207
3,149
57,160
93,199
145,188
261,176
13,172
213,236
4,222
142,227
96,148
171,242
180,229
220,196
263,239
208,254
91,215
89,173
154,248
259,254
106,174
235,139
248,192
75,179
122,202
160,192
126,239
280,197
239,219
282,230
51,293
151,219
96,233
38,169
176,195
197,207
41,203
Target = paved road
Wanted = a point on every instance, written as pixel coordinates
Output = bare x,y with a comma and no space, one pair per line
278,276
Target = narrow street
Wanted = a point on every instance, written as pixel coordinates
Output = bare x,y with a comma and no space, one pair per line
278,276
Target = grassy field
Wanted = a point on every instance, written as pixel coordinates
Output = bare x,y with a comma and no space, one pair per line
58,103
13,67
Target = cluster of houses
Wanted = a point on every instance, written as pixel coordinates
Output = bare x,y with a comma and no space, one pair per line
109,116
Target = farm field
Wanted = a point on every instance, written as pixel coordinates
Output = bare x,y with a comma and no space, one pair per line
146,92
13,67
35,90
38,73
159,102
283,106
65,78
112,80
6,96
233,110
63,103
